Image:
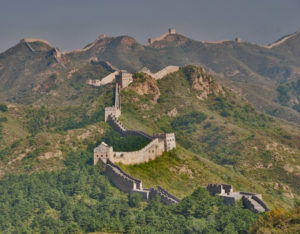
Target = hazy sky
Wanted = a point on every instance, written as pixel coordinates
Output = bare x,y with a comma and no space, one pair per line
71,24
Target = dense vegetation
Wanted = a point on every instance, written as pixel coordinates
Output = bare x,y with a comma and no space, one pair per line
3,108
220,139
278,221
287,91
78,198
123,143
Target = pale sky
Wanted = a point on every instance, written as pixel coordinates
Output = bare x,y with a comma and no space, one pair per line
72,24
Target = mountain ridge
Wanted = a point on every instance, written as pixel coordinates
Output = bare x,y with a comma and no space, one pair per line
256,71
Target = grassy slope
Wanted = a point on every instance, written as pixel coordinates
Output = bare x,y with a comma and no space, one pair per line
246,143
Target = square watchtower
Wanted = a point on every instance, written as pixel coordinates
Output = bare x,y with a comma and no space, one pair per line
124,78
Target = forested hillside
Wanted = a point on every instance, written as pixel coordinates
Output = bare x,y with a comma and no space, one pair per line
48,181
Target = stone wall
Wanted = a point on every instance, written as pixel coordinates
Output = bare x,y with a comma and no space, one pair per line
167,70
170,31
106,80
154,149
29,46
160,74
159,143
260,201
165,197
109,78
251,201
123,78
219,188
120,179
129,184
119,127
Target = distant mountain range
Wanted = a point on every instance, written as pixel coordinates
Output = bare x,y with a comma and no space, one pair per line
32,72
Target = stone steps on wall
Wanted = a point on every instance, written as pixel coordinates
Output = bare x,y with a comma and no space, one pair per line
257,207
253,205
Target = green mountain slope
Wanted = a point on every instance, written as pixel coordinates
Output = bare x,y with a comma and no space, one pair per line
222,128
221,137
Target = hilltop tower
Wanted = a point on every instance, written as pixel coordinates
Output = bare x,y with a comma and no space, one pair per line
238,39
172,31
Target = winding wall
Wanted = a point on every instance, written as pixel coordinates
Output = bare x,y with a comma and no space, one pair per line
120,179
129,184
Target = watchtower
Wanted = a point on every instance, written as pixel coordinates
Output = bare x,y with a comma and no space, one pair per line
172,31
124,78
102,152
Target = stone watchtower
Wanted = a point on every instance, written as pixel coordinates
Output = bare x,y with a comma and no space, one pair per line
170,142
103,152
124,78
172,31
238,39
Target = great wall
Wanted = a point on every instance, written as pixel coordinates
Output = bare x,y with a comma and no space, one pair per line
159,143
112,76
54,52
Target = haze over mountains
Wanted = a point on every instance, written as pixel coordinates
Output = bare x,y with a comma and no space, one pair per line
267,76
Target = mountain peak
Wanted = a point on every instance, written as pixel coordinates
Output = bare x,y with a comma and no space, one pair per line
171,32
31,40
170,36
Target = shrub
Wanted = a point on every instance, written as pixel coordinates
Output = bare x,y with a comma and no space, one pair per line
3,107
135,200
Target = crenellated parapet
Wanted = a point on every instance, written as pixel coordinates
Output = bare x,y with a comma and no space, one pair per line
251,201
131,185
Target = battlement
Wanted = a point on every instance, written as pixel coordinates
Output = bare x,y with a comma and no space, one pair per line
219,189
131,185
155,148
251,201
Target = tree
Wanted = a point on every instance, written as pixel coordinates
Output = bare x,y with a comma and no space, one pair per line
135,200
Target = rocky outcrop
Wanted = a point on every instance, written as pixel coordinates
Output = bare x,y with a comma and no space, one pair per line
203,82
145,84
